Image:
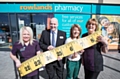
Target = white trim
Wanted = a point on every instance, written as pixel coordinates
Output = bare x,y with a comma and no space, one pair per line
71,1
86,1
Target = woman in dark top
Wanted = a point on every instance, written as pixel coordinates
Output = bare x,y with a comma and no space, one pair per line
92,57
25,48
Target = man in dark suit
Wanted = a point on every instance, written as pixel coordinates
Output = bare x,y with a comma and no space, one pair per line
48,41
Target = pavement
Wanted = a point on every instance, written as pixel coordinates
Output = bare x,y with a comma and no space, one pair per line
111,67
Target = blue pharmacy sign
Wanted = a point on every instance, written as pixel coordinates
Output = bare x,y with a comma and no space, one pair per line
105,9
67,14
79,8
18,8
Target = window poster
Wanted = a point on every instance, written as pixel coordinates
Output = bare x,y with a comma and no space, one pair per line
67,20
39,29
21,23
40,23
110,26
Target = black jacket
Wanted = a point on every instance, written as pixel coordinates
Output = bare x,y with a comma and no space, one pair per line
45,40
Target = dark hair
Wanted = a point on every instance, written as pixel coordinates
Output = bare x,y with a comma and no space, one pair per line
71,30
92,20
101,18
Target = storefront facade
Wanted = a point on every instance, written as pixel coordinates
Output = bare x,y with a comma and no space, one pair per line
37,15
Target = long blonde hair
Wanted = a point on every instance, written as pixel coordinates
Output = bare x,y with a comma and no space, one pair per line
21,34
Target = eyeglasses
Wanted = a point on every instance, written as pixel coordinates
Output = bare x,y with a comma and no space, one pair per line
91,24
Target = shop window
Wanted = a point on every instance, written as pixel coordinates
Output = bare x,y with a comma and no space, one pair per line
5,38
39,23
23,20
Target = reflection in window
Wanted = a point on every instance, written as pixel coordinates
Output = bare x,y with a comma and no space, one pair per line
5,38
39,23
23,20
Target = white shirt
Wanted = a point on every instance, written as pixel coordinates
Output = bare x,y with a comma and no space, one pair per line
55,36
70,56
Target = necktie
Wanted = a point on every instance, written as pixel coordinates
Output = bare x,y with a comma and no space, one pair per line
53,38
